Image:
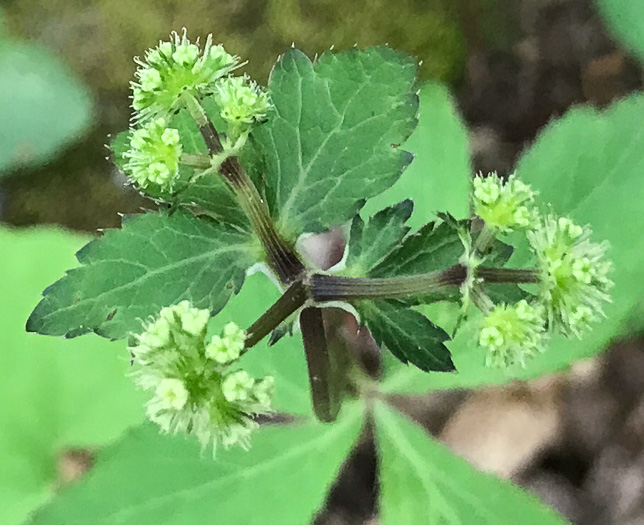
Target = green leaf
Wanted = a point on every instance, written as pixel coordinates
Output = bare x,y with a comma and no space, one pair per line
43,106
369,244
148,478
587,165
407,334
284,360
439,178
423,482
626,19
433,247
332,139
56,394
129,274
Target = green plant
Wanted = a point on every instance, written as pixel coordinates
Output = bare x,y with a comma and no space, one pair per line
239,177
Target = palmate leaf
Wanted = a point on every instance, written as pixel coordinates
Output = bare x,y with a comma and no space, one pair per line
588,166
332,139
149,478
421,482
129,274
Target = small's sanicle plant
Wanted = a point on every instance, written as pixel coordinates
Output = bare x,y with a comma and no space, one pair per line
239,174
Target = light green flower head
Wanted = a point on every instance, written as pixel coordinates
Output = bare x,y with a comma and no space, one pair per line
241,101
195,391
504,207
574,274
175,68
154,154
512,333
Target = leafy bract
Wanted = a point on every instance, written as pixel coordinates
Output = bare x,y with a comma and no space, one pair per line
129,274
149,478
332,139
588,165
370,243
412,464
56,395
626,19
284,360
43,106
407,334
439,177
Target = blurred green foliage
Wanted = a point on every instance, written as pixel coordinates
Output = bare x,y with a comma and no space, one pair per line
43,107
56,394
626,19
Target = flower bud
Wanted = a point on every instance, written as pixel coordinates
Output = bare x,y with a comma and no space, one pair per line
154,154
504,207
173,69
512,333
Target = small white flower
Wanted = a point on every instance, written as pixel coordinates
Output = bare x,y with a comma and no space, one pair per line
172,393
237,386
512,333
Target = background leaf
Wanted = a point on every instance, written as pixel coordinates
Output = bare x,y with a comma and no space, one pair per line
284,360
55,394
43,106
129,274
332,139
588,165
149,478
422,482
626,19
439,177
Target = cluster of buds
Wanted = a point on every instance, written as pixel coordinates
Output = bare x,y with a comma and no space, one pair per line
179,74
573,274
154,155
196,388
504,207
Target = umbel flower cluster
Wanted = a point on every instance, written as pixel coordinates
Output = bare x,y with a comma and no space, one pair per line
196,386
572,274
178,74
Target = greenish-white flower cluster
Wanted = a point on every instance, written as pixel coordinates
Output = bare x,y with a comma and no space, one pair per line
154,155
512,333
575,279
197,389
504,206
174,69
242,103
573,274
180,74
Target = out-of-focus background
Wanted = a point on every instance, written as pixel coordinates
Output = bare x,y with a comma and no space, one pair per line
576,439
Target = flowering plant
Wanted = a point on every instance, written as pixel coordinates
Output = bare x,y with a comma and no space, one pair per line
241,175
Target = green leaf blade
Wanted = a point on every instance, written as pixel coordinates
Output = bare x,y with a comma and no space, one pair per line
332,139
422,482
130,274
408,334
626,19
146,478
371,243
45,382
